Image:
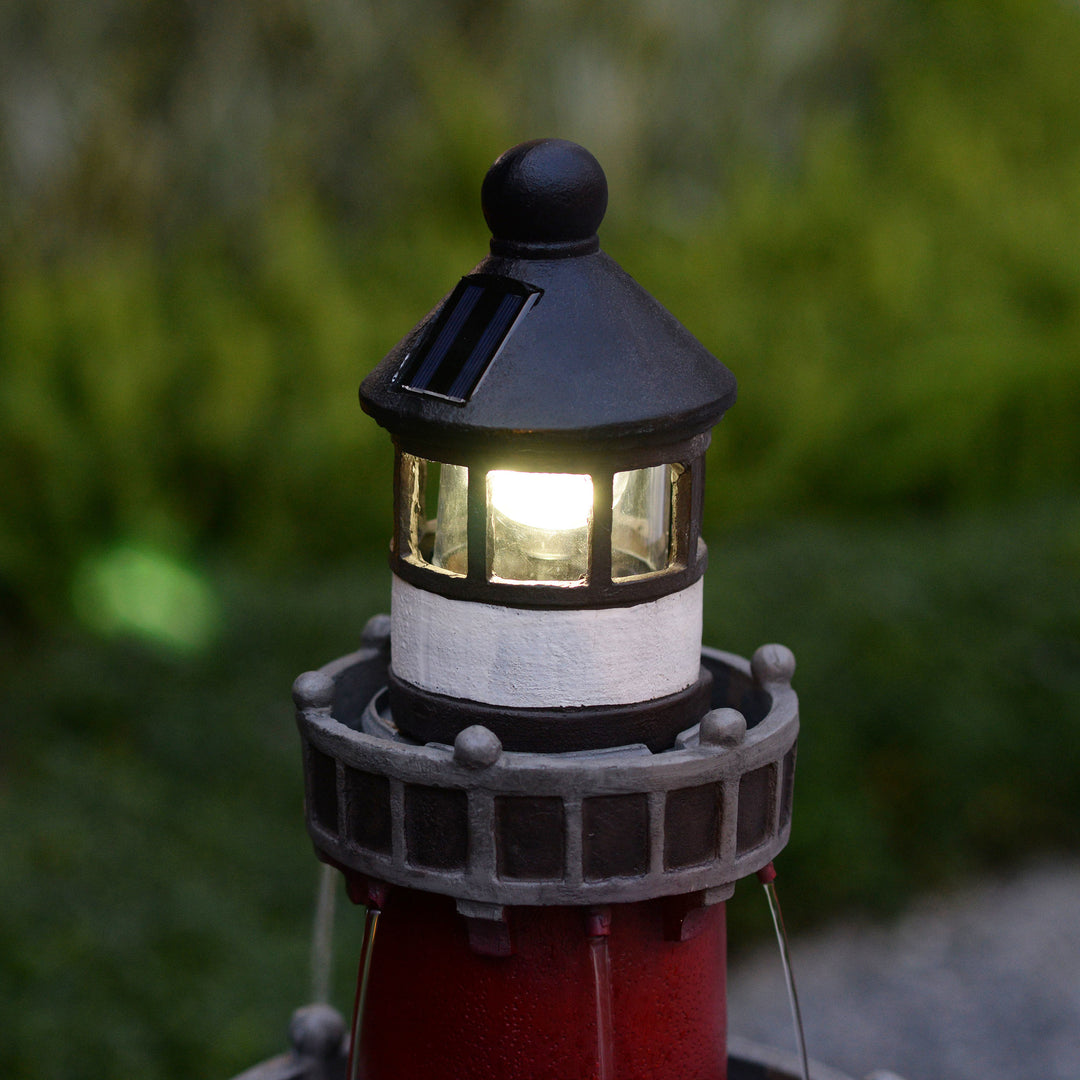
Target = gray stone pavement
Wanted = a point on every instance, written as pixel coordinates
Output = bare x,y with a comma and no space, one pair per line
983,984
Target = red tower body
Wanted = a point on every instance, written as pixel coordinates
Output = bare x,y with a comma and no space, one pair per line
535,1015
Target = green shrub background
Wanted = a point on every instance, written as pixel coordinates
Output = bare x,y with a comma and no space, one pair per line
219,217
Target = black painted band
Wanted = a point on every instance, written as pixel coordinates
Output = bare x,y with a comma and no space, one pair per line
429,717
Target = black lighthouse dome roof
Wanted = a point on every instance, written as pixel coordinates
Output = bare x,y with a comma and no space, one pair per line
548,342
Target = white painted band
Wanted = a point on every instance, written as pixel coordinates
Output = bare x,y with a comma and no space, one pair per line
529,658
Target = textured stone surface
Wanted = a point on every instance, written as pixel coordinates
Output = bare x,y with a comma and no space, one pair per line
983,984
598,830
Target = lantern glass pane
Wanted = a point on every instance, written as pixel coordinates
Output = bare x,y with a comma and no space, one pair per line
538,525
434,499
641,521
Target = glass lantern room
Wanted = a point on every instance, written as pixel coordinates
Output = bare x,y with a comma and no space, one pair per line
569,529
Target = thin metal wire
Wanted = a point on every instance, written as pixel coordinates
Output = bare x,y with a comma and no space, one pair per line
605,1033
322,935
785,958
371,923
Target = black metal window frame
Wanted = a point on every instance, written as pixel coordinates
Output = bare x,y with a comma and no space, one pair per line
686,561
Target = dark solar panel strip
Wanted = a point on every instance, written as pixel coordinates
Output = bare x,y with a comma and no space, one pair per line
442,345
500,322
465,337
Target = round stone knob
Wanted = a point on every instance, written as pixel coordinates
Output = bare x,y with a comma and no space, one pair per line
722,727
376,631
544,198
772,664
477,747
317,1031
313,690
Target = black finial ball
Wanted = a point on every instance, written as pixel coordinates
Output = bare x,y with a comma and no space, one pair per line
544,195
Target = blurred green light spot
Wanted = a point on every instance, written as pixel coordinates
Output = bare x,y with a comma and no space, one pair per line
149,595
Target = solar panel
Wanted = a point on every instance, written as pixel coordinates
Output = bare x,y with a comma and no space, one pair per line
466,336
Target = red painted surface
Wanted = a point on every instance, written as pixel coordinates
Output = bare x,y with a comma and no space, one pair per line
436,1009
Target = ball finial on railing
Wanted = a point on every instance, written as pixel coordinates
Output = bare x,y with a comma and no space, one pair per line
317,1031
773,664
722,727
313,690
476,747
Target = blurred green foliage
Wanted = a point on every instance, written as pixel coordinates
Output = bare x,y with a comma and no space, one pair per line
900,305
219,217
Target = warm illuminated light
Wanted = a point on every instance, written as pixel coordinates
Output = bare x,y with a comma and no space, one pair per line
550,501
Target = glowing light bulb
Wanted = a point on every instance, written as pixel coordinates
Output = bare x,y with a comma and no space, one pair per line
549,501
